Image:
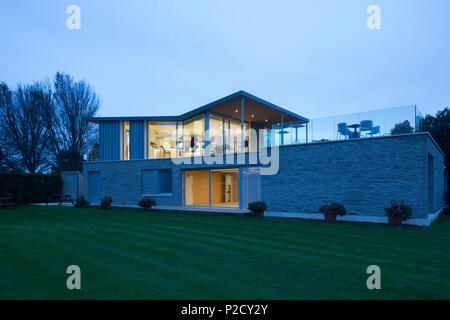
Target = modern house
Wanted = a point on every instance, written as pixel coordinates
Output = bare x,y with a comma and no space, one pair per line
242,148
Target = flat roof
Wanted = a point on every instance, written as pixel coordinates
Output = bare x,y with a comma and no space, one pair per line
255,109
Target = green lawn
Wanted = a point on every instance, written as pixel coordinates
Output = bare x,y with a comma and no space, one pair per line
157,255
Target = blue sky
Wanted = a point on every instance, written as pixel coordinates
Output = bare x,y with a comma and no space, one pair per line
315,58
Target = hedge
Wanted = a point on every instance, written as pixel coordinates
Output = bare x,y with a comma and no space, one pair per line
28,188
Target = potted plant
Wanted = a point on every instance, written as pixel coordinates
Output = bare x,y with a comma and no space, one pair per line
397,213
147,203
332,211
402,127
81,202
257,208
106,202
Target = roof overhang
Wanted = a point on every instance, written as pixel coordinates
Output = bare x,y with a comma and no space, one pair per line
256,110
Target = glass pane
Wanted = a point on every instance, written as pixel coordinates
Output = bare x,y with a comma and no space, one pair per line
165,181
161,139
225,188
196,188
215,135
193,139
365,124
246,137
126,140
235,137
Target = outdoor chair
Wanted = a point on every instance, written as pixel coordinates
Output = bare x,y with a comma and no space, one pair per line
366,125
375,130
343,130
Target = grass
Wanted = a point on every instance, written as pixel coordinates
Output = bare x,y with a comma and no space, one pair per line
126,254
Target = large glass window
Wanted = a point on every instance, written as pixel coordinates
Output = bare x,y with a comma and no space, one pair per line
216,135
234,137
193,137
161,139
126,140
224,190
196,188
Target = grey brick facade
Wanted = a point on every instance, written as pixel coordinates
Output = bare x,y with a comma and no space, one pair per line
364,174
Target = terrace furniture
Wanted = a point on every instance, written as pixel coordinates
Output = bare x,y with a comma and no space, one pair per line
366,125
343,130
296,125
355,133
375,130
59,198
7,202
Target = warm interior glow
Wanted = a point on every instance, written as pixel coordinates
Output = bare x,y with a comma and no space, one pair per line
224,187
162,139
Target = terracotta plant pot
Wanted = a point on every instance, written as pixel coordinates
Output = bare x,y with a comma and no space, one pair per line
259,213
395,221
329,215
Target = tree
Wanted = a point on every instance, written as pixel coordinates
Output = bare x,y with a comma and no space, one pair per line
23,125
73,103
439,127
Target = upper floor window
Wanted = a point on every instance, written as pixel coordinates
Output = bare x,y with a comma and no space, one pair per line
161,139
192,141
216,138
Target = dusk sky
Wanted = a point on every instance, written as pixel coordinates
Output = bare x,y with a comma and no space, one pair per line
316,58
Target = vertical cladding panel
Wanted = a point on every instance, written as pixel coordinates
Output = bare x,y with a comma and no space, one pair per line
109,140
137,144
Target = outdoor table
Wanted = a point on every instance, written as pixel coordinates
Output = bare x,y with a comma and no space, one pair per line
6,202
355,129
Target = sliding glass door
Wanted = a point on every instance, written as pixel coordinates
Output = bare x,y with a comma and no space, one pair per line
218,187
225,188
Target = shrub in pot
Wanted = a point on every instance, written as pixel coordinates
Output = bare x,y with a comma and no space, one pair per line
257,208
402,127
397,213
147,203
81,202
332,211
106,202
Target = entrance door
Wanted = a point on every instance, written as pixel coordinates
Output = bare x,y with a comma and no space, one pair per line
94,187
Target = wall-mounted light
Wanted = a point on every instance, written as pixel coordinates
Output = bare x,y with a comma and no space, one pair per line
253,115
237,110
